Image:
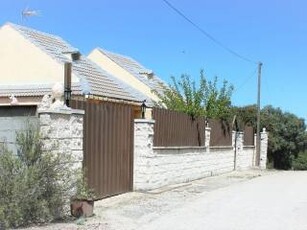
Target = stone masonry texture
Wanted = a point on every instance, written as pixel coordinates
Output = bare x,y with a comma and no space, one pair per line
155,167
62,132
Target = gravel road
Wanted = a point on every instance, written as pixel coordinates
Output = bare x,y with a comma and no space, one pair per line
238,200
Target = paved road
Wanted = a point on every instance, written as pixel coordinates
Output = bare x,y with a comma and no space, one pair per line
249,200
271,202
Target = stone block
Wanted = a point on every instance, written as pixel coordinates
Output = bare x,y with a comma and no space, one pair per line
45,119
77,155
77,144
77,131
45,132
62,131
49,145
64,144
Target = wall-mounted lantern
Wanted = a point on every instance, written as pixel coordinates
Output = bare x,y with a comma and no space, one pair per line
67,96
143,109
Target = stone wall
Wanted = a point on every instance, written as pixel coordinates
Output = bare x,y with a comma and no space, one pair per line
155,167
244,155
263,148
177,165
143,152
246,158
62,132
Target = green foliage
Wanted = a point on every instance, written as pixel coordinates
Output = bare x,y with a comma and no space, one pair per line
246,115
202,99
218,101
287,133
300,162
11,183
35,186
83,191
287,136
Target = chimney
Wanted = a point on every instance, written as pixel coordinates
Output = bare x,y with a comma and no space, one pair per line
73,55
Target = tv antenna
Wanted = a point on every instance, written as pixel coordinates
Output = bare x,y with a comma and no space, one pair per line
27,12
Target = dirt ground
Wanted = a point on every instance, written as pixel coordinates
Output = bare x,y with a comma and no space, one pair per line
151,210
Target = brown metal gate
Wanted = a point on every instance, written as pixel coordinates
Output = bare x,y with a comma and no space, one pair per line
108,146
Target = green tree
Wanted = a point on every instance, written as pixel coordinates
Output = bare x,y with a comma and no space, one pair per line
246,115
202,99
287,132
287,136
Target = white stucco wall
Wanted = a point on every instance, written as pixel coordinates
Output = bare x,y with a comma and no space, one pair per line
21,62
117,71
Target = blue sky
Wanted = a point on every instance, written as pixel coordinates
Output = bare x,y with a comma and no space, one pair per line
272,31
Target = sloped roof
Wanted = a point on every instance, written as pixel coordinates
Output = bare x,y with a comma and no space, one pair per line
137,70
93,79
30,90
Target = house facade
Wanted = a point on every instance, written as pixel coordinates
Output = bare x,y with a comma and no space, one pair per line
31,62
129,71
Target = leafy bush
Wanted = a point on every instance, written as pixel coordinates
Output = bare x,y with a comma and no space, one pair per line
83,191
35,186
282,160
300,163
